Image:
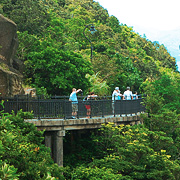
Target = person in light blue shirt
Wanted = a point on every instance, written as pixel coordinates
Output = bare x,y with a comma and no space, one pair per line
74,100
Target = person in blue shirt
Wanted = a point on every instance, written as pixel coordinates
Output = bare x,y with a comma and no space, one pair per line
135,95
74,100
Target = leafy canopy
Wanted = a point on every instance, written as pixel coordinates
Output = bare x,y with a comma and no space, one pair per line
49,30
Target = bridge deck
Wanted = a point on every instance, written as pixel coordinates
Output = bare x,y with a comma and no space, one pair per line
82,123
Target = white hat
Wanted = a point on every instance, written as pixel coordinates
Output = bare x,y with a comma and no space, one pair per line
116,88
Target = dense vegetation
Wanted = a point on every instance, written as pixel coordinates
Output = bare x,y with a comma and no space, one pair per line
56,54
57,57
22,155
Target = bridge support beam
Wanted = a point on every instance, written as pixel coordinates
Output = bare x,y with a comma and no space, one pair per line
48,141
59,147
55,129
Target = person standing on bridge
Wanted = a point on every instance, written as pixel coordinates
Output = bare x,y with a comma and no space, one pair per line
88,104
115,96
135,95
128,94
74,100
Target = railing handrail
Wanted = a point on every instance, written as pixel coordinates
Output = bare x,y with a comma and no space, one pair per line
62,107
28,96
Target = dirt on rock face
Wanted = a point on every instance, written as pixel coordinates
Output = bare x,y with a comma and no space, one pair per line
10,76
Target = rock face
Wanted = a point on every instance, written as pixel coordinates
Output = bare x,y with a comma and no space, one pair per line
10,77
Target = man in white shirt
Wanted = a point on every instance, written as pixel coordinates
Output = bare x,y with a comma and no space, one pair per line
128,94
115,96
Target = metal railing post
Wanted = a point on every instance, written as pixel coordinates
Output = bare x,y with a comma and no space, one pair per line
55,106
64,108
17,104
27,102
102,107
39,108
114,108
91,108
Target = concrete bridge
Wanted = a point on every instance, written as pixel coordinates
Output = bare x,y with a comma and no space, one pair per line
54,116
55,129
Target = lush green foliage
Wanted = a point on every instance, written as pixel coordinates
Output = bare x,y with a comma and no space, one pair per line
54,49
59,70
57,58
164,91
130,152
163,103
22,155
124,152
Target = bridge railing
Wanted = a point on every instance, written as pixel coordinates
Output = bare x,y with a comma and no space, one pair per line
62,108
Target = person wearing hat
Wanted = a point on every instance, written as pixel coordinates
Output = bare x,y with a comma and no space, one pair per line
128,94
116,93
115,96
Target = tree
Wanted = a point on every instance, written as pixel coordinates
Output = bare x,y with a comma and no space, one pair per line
51,67
164,90
162,104
57,70
130,152
31,15
121,57
22,154
98,85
